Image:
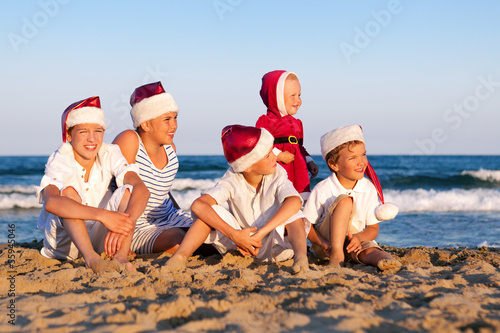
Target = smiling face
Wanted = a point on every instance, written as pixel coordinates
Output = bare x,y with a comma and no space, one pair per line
292,96
163,128
351,165
86,140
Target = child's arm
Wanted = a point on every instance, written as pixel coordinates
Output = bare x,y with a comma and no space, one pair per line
129,144
202,207
369,234
136,205
291,206
67,208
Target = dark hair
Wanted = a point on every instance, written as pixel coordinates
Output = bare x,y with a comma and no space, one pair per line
334,154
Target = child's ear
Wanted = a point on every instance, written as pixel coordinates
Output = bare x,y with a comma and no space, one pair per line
333,166
145,126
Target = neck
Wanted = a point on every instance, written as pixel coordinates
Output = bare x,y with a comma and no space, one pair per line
346,183
253,179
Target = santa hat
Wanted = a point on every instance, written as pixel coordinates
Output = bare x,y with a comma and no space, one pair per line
243,145
87,111
341,135
273,89
150,101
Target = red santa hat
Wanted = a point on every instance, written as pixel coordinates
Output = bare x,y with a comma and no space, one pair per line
341,135
272,90
150,101
244,145
87,111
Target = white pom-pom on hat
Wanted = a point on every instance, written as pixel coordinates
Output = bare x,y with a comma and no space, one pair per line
386,211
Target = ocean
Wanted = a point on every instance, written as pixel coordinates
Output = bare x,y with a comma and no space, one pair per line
444,201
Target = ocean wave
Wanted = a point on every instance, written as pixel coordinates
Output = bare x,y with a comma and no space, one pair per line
187,184
11,189
483,174
454,200
18,200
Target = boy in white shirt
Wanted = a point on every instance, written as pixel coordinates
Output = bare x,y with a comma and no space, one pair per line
264,218
80,215
346,203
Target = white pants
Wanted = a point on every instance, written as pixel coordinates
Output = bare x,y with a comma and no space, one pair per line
275,246
58,245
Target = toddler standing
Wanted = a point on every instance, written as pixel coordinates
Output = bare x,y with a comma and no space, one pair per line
281,92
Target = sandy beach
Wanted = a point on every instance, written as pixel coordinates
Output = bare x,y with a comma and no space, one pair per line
435,290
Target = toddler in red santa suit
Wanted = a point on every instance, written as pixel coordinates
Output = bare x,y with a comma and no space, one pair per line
280,92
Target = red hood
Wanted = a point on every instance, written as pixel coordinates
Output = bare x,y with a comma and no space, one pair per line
268,90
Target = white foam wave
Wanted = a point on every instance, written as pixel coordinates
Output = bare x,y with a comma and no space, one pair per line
183,184
456,200
17,200
7,189
483,174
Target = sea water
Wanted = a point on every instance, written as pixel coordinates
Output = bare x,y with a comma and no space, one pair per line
444,201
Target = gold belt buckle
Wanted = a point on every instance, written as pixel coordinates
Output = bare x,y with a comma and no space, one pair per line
293,140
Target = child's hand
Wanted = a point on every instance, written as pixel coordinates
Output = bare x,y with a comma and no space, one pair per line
285,157
327,247
246,244
313,168
119,223
354,243
112,243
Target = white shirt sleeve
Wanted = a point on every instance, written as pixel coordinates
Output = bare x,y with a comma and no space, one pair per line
59,168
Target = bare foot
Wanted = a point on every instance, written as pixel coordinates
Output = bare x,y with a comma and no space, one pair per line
337,261
384,264
100,266
126,263
176,263
300,264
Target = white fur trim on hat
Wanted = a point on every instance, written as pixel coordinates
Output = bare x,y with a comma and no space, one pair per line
280,93
152,107
335,138
86,115
261,149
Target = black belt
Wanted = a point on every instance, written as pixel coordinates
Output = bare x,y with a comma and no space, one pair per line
288,139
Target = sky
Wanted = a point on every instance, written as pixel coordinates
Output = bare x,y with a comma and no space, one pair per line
420,76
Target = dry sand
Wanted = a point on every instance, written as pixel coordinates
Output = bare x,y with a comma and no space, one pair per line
435,290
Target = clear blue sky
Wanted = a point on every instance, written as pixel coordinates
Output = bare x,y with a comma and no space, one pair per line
420,76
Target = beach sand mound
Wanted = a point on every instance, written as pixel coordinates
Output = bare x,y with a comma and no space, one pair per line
435,290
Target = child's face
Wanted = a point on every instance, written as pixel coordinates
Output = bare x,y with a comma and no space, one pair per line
292,97
351,165
86,140
164,127
266,166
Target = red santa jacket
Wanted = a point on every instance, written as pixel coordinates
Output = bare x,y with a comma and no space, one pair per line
284,128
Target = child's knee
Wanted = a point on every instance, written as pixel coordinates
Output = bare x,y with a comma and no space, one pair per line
71,193
124,200
345,203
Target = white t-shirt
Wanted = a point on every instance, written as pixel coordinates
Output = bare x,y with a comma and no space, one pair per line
325,192
62,170
252,209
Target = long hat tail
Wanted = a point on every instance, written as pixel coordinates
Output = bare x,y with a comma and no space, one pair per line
370,173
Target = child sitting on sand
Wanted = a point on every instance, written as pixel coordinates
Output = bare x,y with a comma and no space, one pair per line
80,215
280,92
264,218
346,203
151,146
